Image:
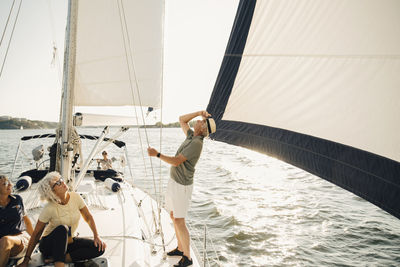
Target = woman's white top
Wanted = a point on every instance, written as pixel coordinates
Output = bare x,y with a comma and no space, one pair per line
56,214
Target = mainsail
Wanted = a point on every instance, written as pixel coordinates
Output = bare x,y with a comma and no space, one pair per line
119,53
113,57
317,84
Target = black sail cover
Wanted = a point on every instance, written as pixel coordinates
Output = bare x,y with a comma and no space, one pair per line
316,84
119,144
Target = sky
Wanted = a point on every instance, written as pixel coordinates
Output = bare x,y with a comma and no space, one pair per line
196,35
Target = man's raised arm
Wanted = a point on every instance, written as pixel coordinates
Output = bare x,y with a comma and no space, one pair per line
184,119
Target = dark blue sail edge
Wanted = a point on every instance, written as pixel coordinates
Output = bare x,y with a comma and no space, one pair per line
370,176
231,62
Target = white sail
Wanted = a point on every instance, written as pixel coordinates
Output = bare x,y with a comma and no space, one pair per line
110,34
328,69
316,84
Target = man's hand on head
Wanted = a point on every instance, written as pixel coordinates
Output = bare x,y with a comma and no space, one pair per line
205,114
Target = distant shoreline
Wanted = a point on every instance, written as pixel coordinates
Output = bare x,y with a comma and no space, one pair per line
9,123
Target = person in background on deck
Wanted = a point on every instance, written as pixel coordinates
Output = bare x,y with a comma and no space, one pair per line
106,163
59,220
15,225
180,186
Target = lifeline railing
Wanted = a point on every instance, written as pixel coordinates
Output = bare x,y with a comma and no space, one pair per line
204,239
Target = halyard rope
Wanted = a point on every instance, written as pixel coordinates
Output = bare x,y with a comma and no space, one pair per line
5,27
11,36
128,43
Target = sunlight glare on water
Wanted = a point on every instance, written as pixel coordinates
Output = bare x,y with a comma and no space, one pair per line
260,211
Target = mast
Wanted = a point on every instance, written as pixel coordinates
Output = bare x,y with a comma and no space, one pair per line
68,89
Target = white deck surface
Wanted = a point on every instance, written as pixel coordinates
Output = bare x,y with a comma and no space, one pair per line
127,228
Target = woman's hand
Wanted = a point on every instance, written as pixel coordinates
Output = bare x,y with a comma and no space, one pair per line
87,216
98,243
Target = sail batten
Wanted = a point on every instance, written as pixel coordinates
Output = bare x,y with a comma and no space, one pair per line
316,85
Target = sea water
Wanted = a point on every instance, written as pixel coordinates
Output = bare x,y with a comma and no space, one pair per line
258,211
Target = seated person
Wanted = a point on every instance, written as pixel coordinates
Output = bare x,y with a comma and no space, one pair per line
14,224
58,222
105,163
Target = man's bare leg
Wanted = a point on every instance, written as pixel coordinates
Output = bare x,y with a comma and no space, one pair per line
176,232
184,235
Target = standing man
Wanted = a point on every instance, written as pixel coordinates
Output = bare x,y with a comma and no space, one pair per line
180,186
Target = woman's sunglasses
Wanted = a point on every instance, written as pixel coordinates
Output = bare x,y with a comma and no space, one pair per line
59,182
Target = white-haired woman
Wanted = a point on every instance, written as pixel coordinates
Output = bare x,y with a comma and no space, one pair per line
59,220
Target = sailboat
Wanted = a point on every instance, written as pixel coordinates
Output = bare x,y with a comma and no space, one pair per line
113,57
316,84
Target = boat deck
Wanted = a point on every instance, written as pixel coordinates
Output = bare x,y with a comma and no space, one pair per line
125,221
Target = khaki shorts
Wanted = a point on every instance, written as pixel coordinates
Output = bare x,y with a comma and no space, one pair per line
24,237
177,198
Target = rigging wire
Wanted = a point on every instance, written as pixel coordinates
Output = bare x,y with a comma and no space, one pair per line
136,82
132,91
133,97
11,36
137,85
141,109
56,60
161,127
8,18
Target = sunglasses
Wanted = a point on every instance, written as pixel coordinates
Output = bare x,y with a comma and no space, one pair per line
59,182
7,183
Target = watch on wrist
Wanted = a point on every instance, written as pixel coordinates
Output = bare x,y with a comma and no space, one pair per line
158,154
